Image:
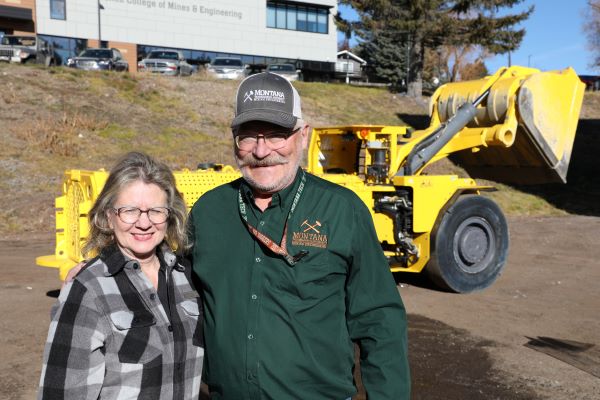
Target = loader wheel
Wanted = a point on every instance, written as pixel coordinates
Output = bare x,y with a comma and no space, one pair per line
470,246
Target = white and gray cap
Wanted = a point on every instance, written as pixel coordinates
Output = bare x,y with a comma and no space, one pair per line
267,97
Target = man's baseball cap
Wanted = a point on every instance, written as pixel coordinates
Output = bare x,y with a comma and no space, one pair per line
267,97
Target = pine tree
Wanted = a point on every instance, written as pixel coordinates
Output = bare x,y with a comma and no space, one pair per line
386,58
428,24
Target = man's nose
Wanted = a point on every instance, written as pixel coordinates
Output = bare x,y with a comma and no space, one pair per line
261,150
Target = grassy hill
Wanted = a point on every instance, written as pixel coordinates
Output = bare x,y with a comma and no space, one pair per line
57,119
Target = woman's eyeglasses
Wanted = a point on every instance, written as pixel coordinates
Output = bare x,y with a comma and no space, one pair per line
130,215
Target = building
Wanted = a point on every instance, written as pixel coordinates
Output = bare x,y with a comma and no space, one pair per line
258,31
17,17
349,66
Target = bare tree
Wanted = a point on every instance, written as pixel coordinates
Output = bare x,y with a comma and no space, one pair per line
591,28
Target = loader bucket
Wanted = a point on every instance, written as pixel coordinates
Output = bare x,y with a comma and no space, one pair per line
533,113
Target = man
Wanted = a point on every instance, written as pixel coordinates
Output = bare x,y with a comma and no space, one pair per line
291,270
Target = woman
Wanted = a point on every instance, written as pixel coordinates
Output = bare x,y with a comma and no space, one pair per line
128,325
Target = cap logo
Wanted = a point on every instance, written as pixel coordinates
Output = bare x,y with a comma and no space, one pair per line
265,95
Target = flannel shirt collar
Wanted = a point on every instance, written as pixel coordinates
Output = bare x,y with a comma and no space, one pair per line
115,260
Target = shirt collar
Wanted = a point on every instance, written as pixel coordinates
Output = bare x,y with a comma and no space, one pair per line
115,260
283,198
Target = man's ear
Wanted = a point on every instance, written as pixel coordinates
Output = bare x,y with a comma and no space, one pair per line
304,134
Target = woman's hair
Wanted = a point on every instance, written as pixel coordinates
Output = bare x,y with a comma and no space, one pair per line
130,168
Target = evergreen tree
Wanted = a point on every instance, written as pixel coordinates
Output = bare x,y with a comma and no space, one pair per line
429,24
386,58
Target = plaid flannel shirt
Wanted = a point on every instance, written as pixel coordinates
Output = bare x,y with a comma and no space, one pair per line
111,338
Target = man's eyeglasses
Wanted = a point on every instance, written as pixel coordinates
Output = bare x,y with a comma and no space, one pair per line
273,140
130,215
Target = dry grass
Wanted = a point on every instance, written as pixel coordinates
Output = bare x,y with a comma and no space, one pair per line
58,136
57,119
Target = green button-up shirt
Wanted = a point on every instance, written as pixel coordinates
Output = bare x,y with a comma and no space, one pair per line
275,331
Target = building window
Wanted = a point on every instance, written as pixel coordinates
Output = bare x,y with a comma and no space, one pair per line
58,9
293,17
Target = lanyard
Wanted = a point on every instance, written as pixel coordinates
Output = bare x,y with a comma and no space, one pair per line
267,241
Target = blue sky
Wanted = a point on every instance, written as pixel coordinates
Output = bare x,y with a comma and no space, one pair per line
554,37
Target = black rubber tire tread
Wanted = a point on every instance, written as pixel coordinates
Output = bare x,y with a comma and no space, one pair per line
446,268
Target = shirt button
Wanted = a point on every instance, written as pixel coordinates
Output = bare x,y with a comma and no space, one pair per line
170,328
254,297
261,223
250,336
250,376
257,259
152,296
136,266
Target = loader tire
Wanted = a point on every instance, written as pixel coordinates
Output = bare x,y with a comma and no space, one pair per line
470,245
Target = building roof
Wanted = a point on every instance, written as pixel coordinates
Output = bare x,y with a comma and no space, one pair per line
342,54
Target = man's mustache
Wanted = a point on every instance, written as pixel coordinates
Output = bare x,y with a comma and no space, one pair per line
251,161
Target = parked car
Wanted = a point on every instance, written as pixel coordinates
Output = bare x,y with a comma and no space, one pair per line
99,59
25,48
288,71
227,68
167,62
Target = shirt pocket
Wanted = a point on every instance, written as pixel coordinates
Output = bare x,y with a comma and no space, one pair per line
314,278
134,331
192,318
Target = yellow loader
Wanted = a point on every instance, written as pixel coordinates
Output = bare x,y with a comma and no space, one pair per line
516,126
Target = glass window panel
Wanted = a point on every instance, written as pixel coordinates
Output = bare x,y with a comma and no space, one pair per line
302,23
57,9
292,15
271,17
322,21
312,20
281,16
79,45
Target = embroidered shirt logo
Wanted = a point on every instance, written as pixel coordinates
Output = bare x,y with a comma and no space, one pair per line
309,227
310,235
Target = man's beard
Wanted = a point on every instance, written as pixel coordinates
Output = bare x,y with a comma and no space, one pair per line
250,161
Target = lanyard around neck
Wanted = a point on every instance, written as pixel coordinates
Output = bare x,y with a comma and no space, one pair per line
267,241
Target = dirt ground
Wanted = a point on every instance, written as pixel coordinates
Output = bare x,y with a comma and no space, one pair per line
461,346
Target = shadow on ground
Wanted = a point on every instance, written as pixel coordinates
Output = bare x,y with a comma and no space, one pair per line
581,194
450,364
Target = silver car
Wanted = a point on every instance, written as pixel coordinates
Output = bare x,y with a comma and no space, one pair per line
288,71
227,68
167,62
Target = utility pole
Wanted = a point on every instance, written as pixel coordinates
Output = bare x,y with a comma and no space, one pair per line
100,7
407,59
